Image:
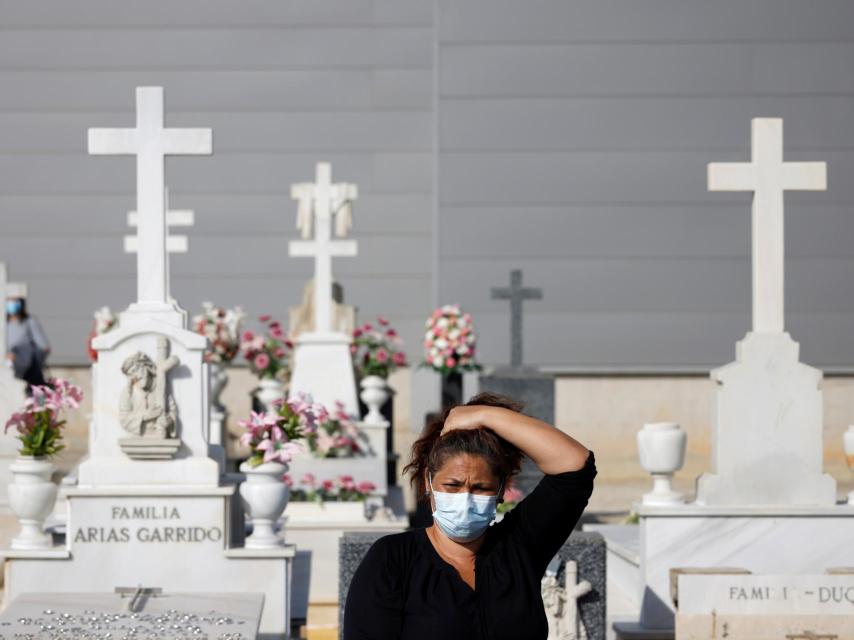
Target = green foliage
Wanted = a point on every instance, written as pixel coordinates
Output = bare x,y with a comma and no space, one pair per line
44,438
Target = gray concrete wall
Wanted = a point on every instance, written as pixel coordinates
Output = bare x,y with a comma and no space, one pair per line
573,139
568,137
283,85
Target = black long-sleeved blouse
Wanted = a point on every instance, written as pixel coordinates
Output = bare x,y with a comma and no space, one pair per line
404,590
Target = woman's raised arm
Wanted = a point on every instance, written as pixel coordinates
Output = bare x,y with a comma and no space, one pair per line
551,449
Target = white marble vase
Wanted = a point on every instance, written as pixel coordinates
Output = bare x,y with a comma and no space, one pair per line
265,496
32,495
270,391
374,394
661,448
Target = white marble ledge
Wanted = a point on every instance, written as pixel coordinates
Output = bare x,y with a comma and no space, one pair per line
622,540
54,553
152,490
285,551
693,510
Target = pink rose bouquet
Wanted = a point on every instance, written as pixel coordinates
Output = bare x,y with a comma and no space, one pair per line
377,349
342,489
268,354
336,436
449,341
38,423
105,320
222,329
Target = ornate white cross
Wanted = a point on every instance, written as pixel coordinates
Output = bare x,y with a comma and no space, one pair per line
174,243
318,202
150,142
767,176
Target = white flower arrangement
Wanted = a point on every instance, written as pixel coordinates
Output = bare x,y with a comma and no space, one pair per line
450,341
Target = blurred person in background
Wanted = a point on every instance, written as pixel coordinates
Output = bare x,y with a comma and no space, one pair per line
27,346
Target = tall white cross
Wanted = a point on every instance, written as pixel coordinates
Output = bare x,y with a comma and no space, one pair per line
174,243
150,142
324,200
767,176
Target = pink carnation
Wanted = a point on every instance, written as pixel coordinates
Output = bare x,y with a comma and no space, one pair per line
366,487
262,361
382,356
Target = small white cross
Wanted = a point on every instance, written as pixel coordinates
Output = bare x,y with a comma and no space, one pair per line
151,142
767,176
324,200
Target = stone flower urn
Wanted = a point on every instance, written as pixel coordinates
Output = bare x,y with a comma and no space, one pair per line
265,496
661,448
270,391
32,495
374,394
848,440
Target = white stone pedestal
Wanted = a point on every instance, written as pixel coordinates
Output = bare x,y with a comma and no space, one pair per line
12,395
315,530
371,468
770,540
177,539
767,428
323,367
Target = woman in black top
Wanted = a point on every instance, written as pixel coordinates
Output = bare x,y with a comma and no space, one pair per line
461,579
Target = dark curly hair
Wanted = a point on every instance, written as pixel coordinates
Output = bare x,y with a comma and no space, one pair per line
432,449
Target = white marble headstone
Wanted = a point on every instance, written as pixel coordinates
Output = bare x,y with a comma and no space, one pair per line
323,366
152,318
767,421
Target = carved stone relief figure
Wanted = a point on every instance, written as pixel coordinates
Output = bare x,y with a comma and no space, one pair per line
146,408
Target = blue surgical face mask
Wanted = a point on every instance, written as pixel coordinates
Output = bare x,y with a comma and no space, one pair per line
13,307
463,517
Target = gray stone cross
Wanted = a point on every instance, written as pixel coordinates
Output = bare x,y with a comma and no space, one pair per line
516,294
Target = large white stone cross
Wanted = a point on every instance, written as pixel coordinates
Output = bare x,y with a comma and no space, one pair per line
174,218
767,176
324,200
151,142
174,243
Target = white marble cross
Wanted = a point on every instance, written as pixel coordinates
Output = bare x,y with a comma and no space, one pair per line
150,142
318,203
174,243
767,176
174,218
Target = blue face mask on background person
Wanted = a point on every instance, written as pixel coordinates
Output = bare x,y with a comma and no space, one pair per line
463,517
13,307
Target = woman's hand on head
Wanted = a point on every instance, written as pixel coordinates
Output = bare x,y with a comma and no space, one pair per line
464,417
